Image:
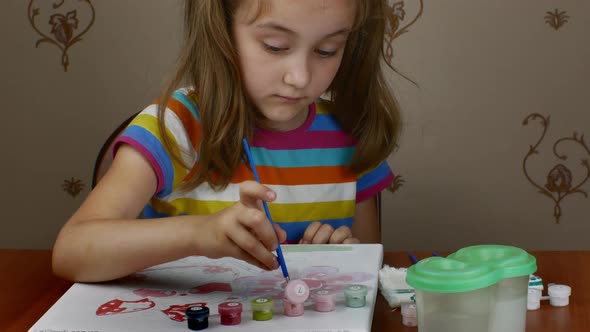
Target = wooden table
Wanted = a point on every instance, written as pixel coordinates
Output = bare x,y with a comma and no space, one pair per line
28,289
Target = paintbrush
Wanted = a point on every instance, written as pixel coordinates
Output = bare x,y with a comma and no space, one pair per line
279,251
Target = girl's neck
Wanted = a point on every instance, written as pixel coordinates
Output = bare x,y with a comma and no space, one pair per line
293,125
303,124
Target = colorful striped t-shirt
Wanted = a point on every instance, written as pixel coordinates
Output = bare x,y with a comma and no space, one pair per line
307,167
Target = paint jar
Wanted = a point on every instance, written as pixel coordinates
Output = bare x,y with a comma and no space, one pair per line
409,314
197,317
262,308
478,288
296,293
356,296
559,295
230,312
533,299
324,300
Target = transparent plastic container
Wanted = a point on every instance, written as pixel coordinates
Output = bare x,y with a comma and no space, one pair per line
514,266
479,288
509,312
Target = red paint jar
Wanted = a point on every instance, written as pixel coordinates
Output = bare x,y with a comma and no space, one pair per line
230,312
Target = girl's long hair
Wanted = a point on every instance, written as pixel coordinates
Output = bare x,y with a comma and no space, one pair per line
208,63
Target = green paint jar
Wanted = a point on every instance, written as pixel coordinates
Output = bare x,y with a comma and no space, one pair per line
262,308
356,296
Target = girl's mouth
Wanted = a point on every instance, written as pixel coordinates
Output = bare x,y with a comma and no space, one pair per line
291,100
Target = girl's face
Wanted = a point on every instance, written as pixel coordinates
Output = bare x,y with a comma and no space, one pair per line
289,54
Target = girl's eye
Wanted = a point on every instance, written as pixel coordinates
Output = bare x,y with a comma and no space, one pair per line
325,54
274,49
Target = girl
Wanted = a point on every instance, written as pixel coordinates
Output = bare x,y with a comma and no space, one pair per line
255,69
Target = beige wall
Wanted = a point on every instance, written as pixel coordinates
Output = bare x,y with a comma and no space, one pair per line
481,67
54,121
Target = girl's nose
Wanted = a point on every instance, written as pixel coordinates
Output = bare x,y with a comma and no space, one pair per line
298,74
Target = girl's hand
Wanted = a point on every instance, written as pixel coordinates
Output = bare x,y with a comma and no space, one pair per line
318,233
243,231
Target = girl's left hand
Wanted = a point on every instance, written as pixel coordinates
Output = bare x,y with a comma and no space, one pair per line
318,233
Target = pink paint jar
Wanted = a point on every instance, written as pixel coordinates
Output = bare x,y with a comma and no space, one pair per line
230,312
296,293
324,300
409,314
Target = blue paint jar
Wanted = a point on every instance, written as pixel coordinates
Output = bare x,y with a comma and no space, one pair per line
197,317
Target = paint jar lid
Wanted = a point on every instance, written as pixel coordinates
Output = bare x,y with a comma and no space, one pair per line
262,304
229,308
197,312
297,291
323,295
559,290
355,291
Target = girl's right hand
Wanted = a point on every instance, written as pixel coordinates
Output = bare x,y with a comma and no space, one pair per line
243,231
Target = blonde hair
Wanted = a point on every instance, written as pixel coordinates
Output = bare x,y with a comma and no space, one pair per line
208,62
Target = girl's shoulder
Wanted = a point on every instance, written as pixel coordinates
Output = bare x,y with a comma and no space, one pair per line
186,92
181,105
186,98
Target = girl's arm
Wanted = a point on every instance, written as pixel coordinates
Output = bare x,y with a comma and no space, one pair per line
366,224
103,240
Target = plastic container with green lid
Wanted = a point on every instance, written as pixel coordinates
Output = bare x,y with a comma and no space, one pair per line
479,288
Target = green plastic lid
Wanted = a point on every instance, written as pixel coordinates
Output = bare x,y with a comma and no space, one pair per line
470,269
443,275
512,261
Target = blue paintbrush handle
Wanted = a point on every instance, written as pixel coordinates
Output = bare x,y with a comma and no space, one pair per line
267,211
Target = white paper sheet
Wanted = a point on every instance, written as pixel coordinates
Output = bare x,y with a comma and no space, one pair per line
155,299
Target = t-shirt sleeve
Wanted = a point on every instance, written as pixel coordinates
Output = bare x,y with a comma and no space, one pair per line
374,181
182,126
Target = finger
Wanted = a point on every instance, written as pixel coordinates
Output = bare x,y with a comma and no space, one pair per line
281,233
310,232
258,225
235,251
323,234
352,240
251,192
252,246
340,234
